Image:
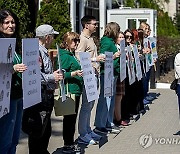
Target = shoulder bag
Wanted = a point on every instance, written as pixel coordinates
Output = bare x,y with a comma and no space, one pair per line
66,107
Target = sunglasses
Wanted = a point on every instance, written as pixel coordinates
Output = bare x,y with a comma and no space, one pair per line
128,36
76,40
95,24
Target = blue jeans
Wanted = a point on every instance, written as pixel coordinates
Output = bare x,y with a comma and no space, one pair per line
178,93
104,118
85,114
146,82
10,127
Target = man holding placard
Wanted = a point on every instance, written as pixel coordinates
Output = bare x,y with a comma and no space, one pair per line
87,44
45,33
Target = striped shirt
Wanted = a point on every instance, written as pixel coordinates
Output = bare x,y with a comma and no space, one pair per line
47,76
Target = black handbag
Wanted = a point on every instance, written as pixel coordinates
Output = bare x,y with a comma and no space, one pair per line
173,85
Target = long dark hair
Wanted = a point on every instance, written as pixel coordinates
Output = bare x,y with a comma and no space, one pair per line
4,14
132,38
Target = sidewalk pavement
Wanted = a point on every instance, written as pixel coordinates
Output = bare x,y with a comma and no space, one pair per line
155,132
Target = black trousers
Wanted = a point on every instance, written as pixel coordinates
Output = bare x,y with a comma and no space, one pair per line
69,124
39,145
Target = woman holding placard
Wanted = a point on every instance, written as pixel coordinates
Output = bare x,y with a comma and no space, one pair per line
10,124
74,81
104,114
120,90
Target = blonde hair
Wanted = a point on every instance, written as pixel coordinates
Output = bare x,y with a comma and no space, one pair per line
142,25
67,39
112,30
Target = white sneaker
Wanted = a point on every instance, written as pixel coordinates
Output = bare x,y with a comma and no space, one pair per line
113,129
95,136
87,139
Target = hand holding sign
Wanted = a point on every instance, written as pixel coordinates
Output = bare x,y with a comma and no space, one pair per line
57,75
78,73
100,58
20,68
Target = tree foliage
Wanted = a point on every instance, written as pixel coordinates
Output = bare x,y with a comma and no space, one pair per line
129,3
165,26
55,13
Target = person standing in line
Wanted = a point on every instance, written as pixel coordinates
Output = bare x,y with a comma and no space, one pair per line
177,76
146,50
45,33
74,81
120,91
89,24
10,124
104,117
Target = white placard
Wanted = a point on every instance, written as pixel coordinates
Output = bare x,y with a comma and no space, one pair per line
108,74
7,46
130,66
148,57
61,83
7,49
137,62
31,77
153,47
147,63
122,61
88,77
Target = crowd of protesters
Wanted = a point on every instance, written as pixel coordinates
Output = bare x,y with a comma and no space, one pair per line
128,99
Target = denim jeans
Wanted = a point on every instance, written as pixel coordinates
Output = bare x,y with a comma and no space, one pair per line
104,118
85,114
146,82
10,127
178,93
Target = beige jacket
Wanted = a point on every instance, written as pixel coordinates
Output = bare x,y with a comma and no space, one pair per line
87,45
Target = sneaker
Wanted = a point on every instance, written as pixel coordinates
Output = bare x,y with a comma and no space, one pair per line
95,136
77,149
68,149
124,123
146,102
87,139
101,130
149,98
113,129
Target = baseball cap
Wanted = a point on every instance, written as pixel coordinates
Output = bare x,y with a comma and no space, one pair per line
44,30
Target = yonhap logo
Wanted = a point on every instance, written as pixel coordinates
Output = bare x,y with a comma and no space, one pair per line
146,140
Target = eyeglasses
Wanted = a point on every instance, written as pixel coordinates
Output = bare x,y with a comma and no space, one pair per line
95,24
128,36
76,40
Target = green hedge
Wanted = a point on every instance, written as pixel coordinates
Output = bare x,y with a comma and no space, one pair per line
55,13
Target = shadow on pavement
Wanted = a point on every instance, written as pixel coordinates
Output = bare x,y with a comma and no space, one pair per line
58,151
56,133
154,95
55,120
178,133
